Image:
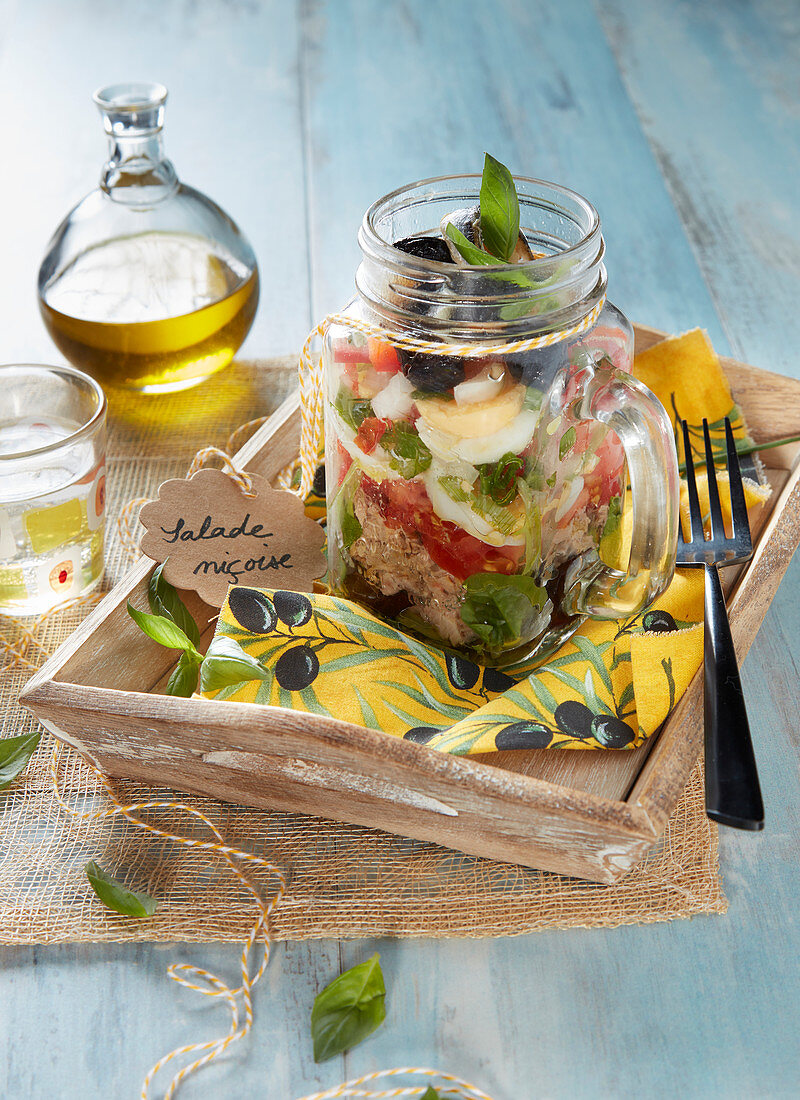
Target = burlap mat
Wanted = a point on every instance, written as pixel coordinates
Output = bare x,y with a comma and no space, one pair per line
343,880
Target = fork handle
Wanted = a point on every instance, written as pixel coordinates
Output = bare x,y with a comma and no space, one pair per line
733,794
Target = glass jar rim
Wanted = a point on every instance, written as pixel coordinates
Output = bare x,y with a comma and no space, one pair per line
84,430
370,236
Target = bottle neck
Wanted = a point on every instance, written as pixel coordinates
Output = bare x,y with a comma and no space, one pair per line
137,173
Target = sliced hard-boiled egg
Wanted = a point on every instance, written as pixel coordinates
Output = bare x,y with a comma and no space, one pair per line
513,437
460,513
481,418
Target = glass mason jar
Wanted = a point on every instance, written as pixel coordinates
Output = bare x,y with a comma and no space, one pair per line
147,284
478,498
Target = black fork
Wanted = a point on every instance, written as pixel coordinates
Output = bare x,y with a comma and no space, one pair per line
733,794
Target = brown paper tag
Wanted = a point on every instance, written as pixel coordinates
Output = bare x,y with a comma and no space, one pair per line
211,535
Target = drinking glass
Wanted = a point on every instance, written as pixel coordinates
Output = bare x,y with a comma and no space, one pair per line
52,486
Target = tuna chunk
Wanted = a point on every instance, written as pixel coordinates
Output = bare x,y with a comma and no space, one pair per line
393,561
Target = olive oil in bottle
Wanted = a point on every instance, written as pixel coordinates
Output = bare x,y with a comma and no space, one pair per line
147,284
154,312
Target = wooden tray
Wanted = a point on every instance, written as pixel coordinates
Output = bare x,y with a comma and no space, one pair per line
589,814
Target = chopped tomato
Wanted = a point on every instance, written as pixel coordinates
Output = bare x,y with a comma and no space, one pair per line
383,356
405,504
345,352
370,433
345,462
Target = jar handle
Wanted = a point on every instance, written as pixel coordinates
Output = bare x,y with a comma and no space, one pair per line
630,409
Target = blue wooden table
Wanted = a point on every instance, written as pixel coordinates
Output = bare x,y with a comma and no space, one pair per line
680,121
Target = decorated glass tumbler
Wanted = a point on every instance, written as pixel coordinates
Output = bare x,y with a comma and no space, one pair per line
52,487
494,472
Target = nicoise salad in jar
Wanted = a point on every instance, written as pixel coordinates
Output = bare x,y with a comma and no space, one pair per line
482,424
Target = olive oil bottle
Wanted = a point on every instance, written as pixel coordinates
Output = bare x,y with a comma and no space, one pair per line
147,284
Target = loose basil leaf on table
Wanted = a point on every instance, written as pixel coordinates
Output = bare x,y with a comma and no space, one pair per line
131,903
15,752
162,630
499,207
183,680
227,663
164,600
348,1010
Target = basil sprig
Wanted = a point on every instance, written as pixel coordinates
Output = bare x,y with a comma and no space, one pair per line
15,752
227,663
164,600
114,895
348,1010
499,209
171,625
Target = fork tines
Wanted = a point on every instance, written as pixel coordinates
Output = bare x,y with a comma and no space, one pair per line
718,545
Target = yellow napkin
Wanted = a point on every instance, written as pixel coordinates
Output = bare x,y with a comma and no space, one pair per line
610,686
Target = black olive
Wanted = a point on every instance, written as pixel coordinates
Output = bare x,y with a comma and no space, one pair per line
537,367
292,608
524,735
574,718
658,621
432,373
611,732
494,680
429,248
252,610
421,735
461,672
297,668
318,484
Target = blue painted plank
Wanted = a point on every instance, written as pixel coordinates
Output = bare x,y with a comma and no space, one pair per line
715,87
398,92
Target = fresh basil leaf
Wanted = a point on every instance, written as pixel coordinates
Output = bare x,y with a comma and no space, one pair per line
131,903
407,452
183,680
499,209
15,752
353,410
567,442
550,481
430,1093
348,1010
227,663
350,527
164,600
471,253
478,258
161,630
501,609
